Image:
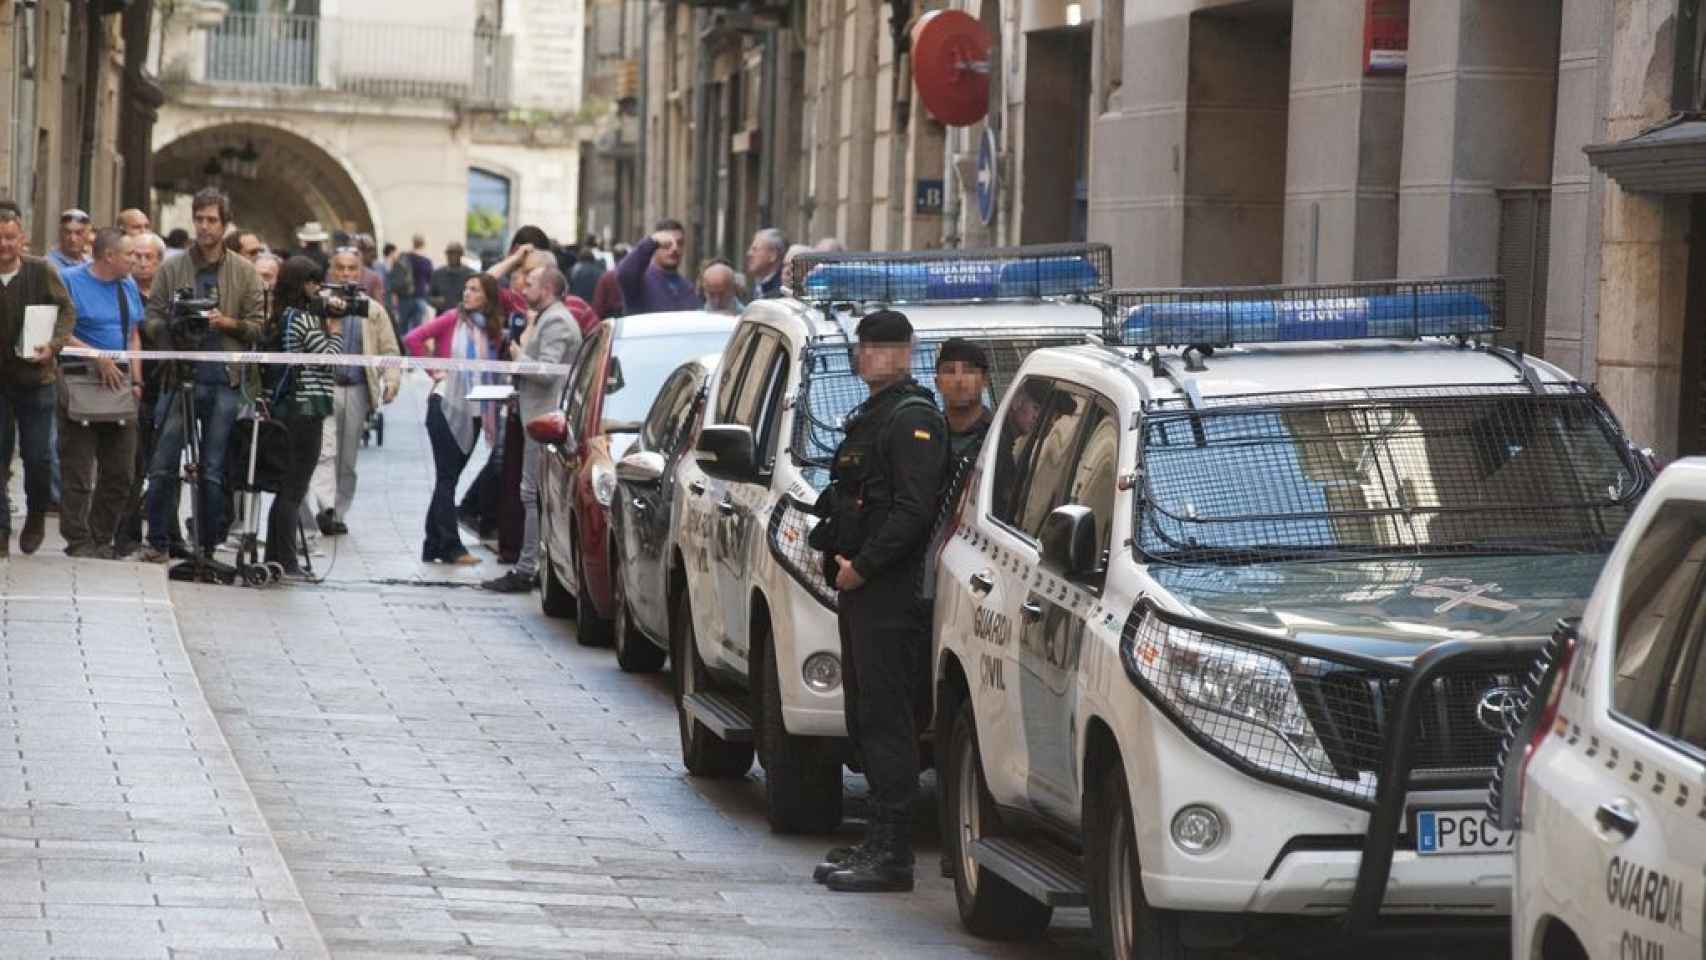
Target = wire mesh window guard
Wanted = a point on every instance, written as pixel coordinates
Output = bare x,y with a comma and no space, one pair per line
1381,309
1371,475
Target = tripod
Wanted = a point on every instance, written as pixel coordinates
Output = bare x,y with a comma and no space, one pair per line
201,567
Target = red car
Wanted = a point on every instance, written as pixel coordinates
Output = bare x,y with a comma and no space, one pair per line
621,366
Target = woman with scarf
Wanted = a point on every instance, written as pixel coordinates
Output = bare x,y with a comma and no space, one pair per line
472,331
302,397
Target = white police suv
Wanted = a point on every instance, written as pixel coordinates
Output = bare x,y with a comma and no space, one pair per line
1605,778
756,651
1232,613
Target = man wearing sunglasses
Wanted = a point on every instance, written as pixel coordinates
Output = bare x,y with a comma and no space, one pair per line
73,249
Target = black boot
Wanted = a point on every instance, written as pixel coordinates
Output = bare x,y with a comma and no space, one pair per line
836,859
886,866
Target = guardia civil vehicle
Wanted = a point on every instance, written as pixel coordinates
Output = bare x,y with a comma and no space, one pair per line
755,648
1229,618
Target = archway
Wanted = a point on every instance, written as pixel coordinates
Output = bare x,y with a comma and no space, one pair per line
277,179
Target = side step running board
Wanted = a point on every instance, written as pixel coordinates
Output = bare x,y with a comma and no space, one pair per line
1046,873
720,714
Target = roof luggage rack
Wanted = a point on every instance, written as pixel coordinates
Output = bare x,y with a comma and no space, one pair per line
1075,270
1379,309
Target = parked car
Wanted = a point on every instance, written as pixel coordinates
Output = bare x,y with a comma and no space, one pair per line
646,494
620,369
1604,778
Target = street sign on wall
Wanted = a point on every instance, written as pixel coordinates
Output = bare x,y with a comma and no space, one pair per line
988,179
1386,36
928,196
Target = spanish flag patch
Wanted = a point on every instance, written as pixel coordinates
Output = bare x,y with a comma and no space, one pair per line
921,434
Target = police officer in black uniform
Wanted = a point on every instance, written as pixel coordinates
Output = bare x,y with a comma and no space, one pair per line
878,511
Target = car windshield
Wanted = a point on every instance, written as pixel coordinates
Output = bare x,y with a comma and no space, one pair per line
640,365
1373,477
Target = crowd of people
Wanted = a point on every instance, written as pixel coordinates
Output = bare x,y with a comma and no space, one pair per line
102,441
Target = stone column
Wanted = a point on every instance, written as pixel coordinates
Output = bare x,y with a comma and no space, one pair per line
1643,281
142,98
1343,150
1478,104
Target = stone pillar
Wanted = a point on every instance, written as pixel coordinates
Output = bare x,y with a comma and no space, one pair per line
141,101
1478,103
860,162
1343,151
1644,245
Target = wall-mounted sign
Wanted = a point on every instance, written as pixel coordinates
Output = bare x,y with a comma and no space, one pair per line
928,198
1386,36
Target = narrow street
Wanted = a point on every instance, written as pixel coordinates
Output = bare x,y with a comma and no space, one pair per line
402,765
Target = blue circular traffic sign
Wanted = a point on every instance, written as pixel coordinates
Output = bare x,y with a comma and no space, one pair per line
988,181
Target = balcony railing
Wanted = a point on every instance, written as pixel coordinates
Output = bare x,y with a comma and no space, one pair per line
368,58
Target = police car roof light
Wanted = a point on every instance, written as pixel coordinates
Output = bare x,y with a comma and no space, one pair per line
1010,273
1385,309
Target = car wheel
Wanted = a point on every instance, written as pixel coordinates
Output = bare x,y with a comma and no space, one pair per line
703,753
554,598
802,786
989,906
1125,925
634,652
591,630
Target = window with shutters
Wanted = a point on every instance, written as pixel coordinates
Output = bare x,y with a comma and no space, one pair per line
1525,231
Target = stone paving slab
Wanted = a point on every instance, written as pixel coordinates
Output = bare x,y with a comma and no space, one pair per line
126,827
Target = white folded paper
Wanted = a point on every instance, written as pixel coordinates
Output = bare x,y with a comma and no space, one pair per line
38,329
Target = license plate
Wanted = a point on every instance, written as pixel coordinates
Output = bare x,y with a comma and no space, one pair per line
1458,832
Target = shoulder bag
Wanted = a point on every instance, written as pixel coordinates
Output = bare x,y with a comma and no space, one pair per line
87,398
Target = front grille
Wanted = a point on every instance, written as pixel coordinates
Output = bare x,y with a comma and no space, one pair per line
1351,711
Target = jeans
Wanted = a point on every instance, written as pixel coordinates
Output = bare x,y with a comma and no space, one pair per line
443,541
528,563
96,462
216,407
304,433
27,414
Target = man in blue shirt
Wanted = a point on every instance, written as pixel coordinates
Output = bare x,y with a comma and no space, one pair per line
73,249
98,459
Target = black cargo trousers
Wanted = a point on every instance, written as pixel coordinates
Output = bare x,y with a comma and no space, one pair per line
885,654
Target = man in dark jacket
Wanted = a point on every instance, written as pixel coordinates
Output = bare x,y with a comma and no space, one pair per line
27,392
650,274
879,506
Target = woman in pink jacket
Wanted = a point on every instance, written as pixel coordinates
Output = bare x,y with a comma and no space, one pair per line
473,331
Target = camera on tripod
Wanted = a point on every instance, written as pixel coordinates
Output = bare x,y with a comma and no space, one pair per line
191,316
342,300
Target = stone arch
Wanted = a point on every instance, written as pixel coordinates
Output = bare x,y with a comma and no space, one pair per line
297,177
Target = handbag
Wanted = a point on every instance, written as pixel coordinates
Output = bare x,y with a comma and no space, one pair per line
87,398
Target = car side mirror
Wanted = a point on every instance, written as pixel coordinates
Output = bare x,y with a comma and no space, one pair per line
725,451
552,428
1069,541
643,468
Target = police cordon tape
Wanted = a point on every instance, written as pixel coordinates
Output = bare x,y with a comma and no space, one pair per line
327,360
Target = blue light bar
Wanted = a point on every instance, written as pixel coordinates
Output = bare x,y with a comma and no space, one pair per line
902,281
1399,316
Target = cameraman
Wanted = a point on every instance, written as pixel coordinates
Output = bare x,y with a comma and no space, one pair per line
309,323
235,324
358,392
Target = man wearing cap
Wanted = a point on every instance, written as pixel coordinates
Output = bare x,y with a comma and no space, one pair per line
878,510
962,378
445,289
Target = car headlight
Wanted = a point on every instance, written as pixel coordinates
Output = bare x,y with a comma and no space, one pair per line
603,484
1234,694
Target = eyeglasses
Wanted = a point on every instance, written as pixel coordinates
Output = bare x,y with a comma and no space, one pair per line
74,216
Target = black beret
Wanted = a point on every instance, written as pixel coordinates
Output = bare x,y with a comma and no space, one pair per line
885,326
964,351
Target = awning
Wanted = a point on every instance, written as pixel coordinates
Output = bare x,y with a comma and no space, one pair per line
1667,158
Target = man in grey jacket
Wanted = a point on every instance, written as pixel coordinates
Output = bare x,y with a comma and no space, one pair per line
553,336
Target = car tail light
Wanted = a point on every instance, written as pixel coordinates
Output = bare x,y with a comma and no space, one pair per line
1539,713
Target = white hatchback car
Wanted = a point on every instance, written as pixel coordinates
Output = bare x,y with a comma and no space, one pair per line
1606,775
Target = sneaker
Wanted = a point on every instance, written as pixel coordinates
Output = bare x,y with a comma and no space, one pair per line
326,520
466,560
89,551
155,555
124,551
339,528
512,582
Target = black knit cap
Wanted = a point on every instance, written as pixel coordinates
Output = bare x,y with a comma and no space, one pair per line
885,326
964,351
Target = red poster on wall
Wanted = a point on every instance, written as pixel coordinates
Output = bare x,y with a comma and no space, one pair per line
1386,36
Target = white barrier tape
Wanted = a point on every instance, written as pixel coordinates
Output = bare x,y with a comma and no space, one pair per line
326,360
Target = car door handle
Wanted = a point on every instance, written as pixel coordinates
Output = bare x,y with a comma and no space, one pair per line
982,582
696,488
1617,816
726,507
641,506
1031,610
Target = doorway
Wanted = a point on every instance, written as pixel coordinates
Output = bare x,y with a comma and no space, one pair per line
1054,206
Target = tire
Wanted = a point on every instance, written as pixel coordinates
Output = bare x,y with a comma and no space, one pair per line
703,753
1126,927
554,598
591,630
990,907
802,788
634,652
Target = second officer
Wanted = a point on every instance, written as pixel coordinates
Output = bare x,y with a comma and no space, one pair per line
878,512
